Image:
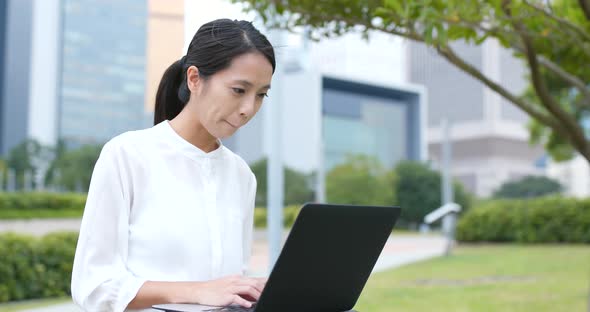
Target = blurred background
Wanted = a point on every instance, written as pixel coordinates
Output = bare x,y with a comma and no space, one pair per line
376,108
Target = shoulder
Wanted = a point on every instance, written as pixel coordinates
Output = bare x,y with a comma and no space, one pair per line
126,144
240,164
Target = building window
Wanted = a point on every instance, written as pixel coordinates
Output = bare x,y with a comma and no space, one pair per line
369,124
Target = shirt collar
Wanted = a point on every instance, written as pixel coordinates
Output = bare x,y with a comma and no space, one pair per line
185,146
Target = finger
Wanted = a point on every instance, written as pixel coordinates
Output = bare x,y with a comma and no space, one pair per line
247,290
251,282
241,301
262,282
247,297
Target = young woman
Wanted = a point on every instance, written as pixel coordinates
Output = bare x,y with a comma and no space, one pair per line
169,214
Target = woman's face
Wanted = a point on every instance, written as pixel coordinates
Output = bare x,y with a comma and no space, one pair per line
228,99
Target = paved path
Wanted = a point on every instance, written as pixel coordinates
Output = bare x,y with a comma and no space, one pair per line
39,227
399,250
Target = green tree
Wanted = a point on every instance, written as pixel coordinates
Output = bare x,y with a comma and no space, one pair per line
551,37
360,180
528,187
298,185
72,169
418,191
3,168
28,156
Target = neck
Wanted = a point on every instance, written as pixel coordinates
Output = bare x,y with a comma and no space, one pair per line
191,129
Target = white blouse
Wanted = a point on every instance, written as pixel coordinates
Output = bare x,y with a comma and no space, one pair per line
160,209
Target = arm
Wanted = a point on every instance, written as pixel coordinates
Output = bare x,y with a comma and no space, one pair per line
100,279
220,292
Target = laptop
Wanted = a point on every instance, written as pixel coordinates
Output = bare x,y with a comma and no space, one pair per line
325,262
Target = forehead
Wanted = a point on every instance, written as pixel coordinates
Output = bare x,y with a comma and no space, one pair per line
252,67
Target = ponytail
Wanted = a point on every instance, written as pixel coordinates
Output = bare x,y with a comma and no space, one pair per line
172,93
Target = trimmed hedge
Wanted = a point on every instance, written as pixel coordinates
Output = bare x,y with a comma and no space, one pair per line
70,205
544,220
289,215
34,268
41,205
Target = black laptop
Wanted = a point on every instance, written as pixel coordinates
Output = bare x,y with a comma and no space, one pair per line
325,262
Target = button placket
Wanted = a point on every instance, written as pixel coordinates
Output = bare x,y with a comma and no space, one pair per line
211,200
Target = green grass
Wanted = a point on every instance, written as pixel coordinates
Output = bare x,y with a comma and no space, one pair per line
486,278
397,231
23,214
475,278
31,304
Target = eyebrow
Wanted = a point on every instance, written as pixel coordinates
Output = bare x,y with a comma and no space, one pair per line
249,84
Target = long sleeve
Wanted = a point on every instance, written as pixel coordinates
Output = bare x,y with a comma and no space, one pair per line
249,225
100,278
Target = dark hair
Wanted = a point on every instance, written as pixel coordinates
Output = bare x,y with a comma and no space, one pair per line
212,49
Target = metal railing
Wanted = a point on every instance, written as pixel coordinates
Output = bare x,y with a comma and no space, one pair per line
448,214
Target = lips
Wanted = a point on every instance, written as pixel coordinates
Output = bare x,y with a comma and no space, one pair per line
229,123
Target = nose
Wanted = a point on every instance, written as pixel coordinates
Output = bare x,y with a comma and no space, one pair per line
248,108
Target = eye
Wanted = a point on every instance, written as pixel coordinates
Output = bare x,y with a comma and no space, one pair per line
262,95
239,90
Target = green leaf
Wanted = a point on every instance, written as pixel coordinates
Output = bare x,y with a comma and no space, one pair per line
441,34
428,34
453,20
395,5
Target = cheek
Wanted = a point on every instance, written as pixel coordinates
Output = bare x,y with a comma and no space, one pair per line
216,109
227,105
259,105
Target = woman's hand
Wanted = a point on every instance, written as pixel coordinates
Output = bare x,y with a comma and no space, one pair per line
220,292
228,290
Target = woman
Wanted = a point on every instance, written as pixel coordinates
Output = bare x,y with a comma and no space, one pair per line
169,213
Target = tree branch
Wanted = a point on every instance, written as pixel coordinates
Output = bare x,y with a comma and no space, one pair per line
557,119
497,32
576,134
563,22
550,65
563,74
452,57
571,79
529,108
585,5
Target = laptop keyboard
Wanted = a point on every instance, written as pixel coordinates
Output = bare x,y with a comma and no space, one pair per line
233,309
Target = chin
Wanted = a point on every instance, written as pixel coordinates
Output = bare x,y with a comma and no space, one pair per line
225,134
221,131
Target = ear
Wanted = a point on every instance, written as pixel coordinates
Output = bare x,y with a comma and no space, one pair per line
192,78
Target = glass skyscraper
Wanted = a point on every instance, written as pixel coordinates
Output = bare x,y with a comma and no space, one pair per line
102,79
15,71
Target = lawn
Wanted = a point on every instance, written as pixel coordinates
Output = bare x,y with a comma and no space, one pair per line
31,304
476,278
486,278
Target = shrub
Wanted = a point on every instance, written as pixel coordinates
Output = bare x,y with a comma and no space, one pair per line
33,268
298,185
528,187
56,252
41,205
289,215
360,180
543,220
418,190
